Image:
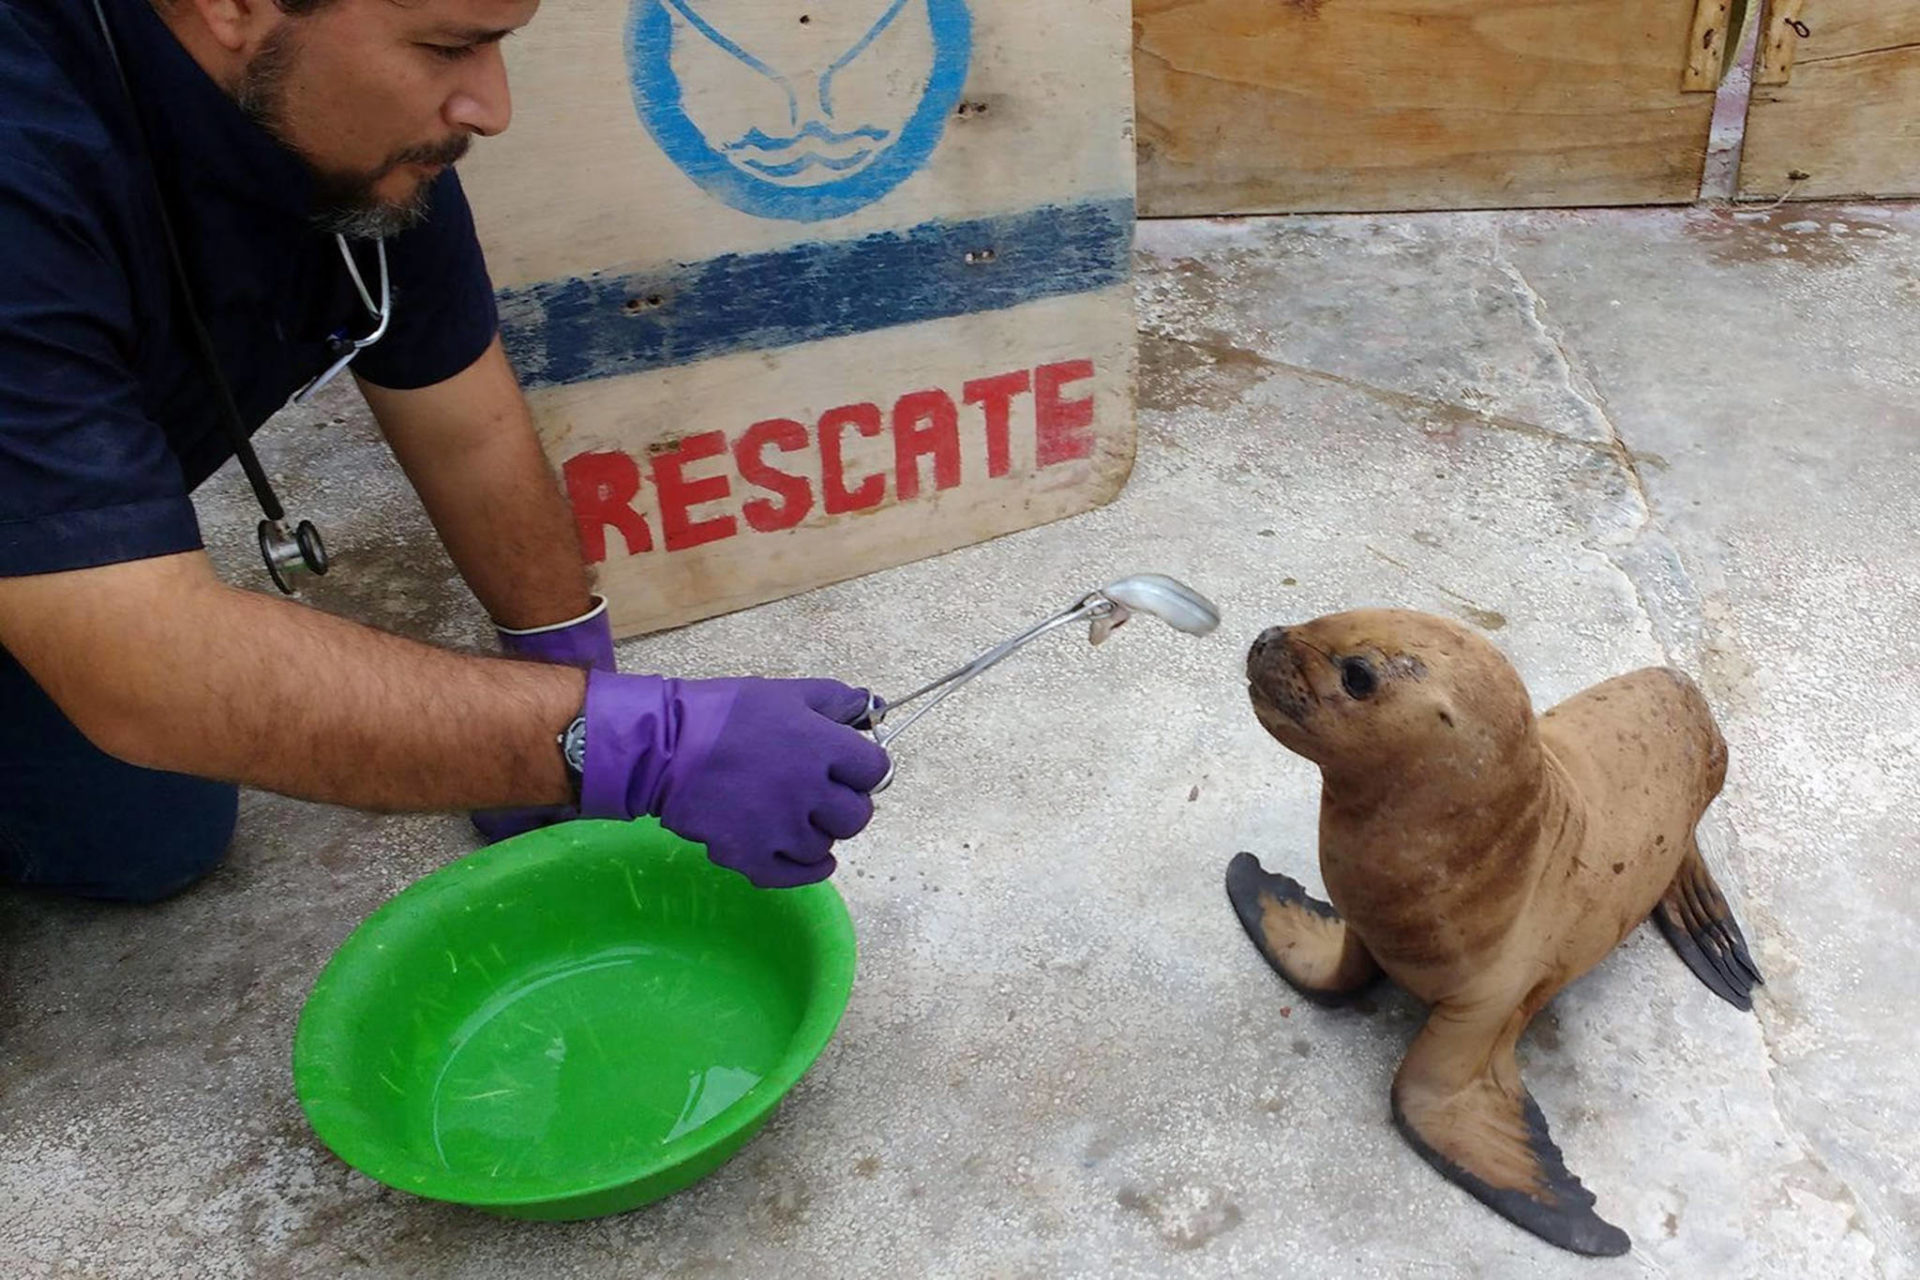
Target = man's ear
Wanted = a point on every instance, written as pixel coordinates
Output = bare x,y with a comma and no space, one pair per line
237,26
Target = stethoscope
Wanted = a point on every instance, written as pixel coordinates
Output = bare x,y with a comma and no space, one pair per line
286,551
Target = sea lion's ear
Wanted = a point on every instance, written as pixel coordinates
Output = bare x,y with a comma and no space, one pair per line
1446,716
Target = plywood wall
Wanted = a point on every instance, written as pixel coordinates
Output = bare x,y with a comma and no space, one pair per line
1835,112
1292,105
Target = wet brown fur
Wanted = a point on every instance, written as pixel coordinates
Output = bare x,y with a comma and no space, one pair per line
1482,858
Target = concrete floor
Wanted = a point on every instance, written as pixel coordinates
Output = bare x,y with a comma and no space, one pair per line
1608,438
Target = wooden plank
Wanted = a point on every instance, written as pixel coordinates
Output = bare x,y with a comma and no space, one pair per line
1843,119
804,291
710,531
1707,45
1332,105
1773,64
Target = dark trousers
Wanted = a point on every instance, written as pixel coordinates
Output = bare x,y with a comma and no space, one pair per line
76,821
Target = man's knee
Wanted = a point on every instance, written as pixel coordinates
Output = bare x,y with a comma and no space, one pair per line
191,850
131,852
76,821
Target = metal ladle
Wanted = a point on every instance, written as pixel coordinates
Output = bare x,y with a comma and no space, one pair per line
1154,594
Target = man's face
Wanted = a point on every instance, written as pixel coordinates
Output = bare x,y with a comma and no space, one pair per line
379,96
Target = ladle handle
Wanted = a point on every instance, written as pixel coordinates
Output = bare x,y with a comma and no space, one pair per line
1094,606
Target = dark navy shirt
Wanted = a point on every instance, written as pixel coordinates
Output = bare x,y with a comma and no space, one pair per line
107,419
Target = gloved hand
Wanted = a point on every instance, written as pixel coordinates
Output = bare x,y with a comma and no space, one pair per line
586,641
766,773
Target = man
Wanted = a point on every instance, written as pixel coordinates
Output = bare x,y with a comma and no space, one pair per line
136,690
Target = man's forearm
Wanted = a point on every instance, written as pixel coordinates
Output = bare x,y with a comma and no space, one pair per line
469,449
162,665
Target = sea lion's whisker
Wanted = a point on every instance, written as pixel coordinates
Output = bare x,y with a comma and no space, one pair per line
1331,660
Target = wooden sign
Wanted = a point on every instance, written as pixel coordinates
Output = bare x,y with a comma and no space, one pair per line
799,291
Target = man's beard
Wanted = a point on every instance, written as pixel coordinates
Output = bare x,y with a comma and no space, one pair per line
345,201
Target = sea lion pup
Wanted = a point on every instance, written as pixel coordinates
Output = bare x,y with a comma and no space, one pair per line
1483,859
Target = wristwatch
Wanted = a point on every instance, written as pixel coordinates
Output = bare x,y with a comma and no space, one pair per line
573,751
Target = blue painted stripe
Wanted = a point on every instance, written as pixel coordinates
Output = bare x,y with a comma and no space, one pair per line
581,329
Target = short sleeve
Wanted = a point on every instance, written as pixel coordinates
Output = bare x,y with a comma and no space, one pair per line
86,478
444,314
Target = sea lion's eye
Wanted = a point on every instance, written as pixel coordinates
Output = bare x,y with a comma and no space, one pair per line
1357,678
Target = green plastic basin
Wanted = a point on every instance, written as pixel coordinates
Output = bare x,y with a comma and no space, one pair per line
570,1023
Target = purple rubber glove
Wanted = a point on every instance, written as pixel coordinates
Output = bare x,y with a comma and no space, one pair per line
586,641
765,773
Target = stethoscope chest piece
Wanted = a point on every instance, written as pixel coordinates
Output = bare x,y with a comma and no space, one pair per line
291,553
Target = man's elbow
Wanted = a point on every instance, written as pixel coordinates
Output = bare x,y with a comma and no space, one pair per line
94,641
123,727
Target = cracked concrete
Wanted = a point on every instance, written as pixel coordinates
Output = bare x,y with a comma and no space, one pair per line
1609,439
1641,552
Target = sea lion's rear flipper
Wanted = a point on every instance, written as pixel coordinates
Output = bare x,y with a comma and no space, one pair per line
1304,939
1459,1101
1701,927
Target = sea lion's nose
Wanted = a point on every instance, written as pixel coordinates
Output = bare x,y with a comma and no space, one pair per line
1265,647
1271,638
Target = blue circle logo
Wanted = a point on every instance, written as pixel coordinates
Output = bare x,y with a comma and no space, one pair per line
798,111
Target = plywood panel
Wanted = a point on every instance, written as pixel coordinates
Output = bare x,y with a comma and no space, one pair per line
1836,112
1416,104
884,448
801,291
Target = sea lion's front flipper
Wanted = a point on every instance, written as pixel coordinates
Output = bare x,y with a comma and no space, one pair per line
1701,927
1459,1101
1304,939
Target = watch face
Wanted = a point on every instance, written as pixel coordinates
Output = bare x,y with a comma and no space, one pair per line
573,744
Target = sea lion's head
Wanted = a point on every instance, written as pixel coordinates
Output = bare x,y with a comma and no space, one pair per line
1371,688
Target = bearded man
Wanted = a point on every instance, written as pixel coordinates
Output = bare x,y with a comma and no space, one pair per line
208,207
